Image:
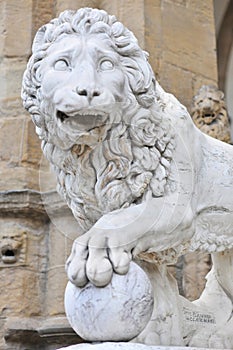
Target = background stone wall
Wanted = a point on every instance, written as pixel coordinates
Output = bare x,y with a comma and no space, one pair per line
180,37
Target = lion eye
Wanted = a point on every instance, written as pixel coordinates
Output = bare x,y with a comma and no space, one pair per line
106,65
61,65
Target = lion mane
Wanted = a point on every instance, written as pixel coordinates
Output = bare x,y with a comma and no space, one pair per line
133,158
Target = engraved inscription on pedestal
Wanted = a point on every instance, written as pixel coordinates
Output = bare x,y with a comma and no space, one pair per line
196,316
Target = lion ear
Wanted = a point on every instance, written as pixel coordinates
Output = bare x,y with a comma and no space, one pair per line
39,39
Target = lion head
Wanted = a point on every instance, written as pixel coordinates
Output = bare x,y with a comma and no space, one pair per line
12,246
91,93
209,113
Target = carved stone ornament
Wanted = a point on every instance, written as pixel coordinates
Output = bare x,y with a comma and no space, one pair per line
209,113
13,244
142,181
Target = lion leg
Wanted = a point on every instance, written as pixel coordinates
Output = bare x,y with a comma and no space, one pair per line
217,298
165,326
223,266
121,235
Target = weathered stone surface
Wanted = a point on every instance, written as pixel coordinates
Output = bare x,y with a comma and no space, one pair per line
11,73
23,202
11,140
181,81
44,333
195,268
11,107
23,279
135,22
62,5
16,18
178,42
18,177
30,148
186,41
42,12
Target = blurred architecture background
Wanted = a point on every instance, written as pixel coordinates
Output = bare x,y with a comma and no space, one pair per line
190,44
223,12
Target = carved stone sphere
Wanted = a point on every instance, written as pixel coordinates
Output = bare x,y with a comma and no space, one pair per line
117,312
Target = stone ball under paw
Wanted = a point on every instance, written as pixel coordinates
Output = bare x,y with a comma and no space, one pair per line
117,312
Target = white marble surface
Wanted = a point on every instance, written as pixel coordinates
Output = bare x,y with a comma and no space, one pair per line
125,346
117,312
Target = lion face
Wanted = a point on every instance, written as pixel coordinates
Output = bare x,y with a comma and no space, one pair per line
82,87
208,105
208,108
68,103
10,246
209,113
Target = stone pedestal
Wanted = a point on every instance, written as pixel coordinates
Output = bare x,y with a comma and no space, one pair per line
125,346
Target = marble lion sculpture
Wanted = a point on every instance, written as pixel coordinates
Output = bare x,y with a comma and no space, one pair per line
142,181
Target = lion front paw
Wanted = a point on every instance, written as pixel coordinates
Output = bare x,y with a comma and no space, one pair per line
94,257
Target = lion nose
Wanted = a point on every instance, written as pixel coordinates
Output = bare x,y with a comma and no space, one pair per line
89,93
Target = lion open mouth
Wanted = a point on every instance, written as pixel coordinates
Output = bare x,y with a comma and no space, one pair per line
88,118
209,117
8,255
